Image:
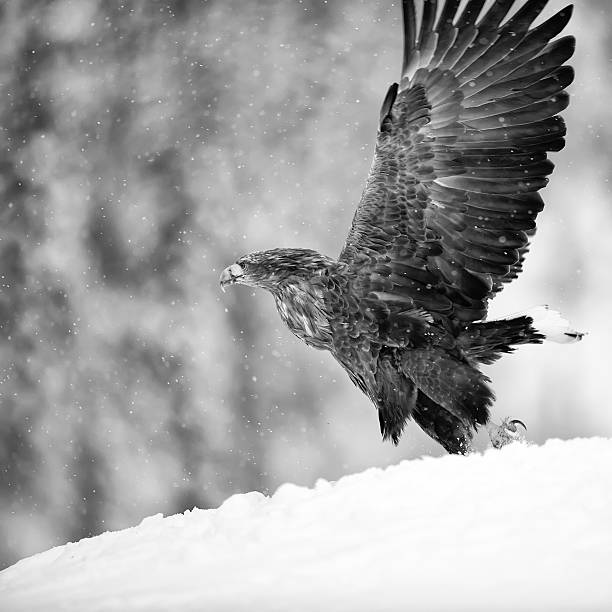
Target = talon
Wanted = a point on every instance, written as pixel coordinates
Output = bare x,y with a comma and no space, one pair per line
514,422
507,432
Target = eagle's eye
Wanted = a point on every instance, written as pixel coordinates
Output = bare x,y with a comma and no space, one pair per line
236,270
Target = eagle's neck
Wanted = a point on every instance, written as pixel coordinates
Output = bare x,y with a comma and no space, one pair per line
301,305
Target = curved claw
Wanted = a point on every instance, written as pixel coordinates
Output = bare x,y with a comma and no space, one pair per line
514,422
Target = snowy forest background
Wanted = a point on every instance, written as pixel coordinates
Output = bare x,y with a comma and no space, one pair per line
146,145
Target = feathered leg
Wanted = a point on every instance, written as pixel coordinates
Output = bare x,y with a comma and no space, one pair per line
453,384
395,397
454,434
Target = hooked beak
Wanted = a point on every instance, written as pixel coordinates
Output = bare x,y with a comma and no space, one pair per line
230,275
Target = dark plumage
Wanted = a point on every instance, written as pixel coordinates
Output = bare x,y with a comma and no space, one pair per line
444,220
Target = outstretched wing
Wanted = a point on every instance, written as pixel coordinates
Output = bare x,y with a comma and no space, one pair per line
452,194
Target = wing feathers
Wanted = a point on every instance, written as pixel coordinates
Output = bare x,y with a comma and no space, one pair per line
530,203
492,56
387,104
525,16
495,15
515,172
475,287
430,10
551,27
553,55
546,89
538,111
409,15
470,14
491,186
514,135
452,196
446,30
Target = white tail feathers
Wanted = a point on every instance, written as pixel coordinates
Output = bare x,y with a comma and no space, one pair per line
553,326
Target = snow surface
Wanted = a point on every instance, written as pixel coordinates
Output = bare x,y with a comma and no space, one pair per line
523,528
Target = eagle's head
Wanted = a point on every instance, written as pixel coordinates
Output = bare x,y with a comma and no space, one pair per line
271,269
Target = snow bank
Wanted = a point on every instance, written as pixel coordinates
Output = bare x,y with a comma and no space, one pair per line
523,528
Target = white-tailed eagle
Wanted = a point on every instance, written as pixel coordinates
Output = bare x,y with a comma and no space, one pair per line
444,221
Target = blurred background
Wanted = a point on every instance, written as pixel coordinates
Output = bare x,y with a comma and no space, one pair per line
146,145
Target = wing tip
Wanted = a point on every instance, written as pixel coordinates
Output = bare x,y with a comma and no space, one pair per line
409,25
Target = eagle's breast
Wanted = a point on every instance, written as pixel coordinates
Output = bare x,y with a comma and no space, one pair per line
301,305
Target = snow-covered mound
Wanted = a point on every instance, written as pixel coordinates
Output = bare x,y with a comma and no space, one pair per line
523,528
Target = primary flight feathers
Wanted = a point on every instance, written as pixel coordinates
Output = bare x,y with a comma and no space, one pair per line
462,152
